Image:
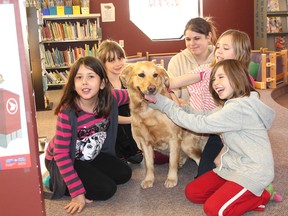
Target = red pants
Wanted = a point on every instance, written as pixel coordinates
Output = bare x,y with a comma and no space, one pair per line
222,197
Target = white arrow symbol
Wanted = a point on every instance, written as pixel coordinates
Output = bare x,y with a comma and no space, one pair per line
11,106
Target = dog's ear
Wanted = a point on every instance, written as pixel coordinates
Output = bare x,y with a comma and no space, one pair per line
165,77
125,74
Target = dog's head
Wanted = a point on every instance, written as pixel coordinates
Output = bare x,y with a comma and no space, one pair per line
144,77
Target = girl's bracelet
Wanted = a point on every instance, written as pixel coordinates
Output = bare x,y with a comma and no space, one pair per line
201,75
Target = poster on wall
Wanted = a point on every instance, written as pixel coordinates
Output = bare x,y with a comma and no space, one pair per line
14,141
107,12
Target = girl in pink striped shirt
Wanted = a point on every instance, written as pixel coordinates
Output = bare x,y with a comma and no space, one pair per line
232,44
81,157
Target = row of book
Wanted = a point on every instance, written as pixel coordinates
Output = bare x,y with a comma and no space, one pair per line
56,77
56,58
56,31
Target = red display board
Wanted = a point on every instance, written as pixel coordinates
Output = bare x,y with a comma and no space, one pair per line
20,176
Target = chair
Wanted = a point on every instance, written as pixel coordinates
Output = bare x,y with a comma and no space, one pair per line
160,58
272,67
135,58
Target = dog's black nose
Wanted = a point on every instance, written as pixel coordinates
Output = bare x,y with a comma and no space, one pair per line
151,89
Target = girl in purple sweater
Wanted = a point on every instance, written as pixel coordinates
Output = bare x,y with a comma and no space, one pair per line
81,157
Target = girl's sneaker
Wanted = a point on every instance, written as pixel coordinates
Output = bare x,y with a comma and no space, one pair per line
137,158
274,196
46,181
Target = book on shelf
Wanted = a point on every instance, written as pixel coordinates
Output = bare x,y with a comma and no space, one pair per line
80,31
56,77
61,75
51,78
56,74
272,5
274,25
280,43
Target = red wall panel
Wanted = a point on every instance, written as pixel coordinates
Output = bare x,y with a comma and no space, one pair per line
226,13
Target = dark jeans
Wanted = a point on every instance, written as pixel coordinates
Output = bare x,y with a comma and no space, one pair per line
210,152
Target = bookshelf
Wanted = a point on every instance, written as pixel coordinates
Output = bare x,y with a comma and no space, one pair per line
65,38
35,60
270,24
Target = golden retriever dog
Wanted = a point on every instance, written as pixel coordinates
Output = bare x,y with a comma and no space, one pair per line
151,128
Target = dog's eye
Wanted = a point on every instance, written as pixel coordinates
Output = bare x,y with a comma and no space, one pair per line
155,75
141,75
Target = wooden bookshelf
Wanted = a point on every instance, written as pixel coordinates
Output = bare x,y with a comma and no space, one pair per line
66,38
47,56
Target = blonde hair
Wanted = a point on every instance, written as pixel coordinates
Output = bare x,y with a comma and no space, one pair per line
241,45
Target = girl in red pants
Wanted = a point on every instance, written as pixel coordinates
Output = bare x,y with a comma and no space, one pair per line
246,167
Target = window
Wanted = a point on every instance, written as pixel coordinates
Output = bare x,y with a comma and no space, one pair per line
163,19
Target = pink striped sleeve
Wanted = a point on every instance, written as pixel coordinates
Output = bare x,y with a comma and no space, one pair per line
62,157
121,96
200,97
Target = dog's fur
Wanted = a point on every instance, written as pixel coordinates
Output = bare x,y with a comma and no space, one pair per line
151,128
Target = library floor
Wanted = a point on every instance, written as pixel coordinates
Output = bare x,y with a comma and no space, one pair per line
131,200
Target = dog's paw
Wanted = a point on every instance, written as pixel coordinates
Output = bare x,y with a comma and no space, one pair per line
182,161
169,183
147,184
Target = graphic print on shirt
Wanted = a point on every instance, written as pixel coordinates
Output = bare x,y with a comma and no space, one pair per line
90,141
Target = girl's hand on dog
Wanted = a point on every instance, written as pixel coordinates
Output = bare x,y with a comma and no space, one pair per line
77,204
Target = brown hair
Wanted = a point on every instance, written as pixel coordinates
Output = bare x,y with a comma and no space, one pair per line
109,50
104,104
238,76
202,26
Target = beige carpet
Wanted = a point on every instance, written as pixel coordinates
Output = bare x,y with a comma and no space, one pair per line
131,200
